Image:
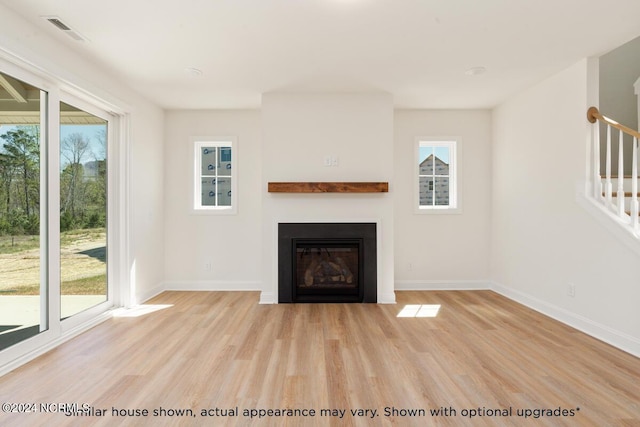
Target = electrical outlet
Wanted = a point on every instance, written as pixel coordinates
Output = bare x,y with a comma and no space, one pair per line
410,267
571,290
207,266
330,161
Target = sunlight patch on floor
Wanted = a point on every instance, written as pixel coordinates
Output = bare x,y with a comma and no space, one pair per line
141,310
419,310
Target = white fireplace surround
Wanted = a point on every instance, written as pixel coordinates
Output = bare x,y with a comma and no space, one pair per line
301,130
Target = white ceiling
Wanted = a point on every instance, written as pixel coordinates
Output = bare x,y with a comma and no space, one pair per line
417,50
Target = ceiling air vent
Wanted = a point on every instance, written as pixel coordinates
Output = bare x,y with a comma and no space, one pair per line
58,23
65,28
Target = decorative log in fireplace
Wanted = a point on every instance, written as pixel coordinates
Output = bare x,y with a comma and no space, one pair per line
327,262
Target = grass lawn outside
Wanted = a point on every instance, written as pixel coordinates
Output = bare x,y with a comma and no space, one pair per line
82,262
96,285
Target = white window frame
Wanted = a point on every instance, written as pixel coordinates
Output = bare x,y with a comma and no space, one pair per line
196,206
455,149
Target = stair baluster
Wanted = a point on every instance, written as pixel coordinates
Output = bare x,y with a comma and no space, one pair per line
607,186
620,193
597,183
634,186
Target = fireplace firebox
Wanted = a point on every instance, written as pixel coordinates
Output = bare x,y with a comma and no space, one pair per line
327,262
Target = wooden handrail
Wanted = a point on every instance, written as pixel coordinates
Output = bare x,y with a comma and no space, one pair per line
593,115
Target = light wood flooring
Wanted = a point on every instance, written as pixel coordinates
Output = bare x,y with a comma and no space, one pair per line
482,352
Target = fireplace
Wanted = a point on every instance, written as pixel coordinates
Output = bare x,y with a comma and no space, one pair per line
327,262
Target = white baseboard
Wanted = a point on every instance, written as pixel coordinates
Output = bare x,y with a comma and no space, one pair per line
267,298
442,285
387,298
604,333
213,285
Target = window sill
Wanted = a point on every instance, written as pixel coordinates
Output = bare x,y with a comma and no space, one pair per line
438,211
216,211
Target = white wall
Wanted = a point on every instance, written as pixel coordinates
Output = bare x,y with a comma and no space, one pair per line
619,70
542,240
231,243
443,251
299,130
146,163
146,195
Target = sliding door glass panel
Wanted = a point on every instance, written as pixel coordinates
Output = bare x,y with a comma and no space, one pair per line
83,210
23,276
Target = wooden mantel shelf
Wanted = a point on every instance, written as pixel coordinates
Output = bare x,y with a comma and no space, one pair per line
328,187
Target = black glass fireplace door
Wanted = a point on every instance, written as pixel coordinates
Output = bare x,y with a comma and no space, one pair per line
327,269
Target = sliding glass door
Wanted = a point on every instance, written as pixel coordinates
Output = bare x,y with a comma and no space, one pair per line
83,210
54,205
23,243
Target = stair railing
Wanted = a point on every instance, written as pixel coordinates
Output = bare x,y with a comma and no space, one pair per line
603,184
